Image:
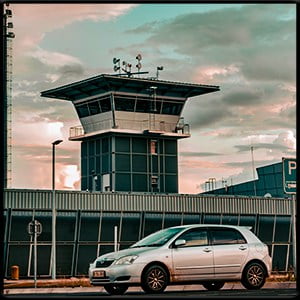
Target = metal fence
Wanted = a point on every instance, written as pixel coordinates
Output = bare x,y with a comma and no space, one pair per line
114,201
85,224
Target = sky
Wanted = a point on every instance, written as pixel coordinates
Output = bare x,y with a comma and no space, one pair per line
249,50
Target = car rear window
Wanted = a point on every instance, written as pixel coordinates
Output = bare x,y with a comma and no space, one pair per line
226,236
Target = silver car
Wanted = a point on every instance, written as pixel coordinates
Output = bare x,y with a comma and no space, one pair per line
204,253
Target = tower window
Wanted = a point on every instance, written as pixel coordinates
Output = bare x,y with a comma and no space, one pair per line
153,146
154,181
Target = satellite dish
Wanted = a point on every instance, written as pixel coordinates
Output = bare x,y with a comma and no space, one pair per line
139,57
267,195
139,65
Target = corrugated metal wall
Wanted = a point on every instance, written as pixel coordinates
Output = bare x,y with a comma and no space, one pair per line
78,200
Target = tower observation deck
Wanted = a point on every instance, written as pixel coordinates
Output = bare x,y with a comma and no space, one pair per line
129,130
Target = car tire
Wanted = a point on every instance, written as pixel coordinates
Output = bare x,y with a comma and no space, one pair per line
254,276
154,279
116,289
213,285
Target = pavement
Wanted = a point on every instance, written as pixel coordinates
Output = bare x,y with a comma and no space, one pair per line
74,285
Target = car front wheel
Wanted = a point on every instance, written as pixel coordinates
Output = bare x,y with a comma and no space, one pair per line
155,279
254,276
213,285
114,289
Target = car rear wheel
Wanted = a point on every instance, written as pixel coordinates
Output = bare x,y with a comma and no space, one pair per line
154,279
213,285
254,276
116,289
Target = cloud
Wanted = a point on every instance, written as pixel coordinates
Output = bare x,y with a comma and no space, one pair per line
54,59
37,132
198,154
56,67
209,74
70,177
257,38
203,114
242,97
245,148
284,142
50,17
35,158
286,139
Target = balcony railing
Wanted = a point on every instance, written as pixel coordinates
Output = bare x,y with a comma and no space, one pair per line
149,125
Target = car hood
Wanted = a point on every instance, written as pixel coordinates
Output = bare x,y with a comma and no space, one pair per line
125,252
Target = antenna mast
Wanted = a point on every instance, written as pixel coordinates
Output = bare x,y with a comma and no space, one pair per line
7,48
253,172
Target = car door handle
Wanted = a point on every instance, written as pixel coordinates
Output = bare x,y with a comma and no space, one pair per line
242,248
207,250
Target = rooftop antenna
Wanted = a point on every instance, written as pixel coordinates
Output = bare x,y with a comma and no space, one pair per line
139,65
126,67
157,71
253,172
117,67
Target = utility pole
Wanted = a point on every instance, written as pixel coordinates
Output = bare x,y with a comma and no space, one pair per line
253,172
53,258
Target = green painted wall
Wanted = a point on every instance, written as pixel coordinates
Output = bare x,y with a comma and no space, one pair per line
131,164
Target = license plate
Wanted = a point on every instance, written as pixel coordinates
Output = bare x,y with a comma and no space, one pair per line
99,274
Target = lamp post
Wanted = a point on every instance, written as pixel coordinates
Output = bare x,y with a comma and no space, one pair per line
54,211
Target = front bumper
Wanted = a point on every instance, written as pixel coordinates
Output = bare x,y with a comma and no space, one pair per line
117,274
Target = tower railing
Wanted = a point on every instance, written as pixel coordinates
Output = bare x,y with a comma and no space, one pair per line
161,126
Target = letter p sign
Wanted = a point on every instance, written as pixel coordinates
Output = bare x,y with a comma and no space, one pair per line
289,166
292,166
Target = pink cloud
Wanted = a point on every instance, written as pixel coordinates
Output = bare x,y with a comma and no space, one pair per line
33,21
213,73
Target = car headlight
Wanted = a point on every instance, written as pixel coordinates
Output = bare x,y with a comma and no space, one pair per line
126,260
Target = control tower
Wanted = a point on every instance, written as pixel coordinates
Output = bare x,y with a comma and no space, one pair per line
129,130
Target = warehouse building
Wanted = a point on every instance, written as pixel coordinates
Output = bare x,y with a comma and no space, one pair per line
269,184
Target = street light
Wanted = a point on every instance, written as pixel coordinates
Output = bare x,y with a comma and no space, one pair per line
54,211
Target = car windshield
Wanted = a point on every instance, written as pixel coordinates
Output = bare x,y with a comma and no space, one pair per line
158,238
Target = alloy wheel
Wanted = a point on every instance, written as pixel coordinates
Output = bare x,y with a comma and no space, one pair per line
155,280
255,275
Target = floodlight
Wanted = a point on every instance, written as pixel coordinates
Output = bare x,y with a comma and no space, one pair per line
124,63
116,68
10,25
56,142
116,60
10,35
160,68
8,13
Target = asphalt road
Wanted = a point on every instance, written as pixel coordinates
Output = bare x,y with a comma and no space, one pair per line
237,293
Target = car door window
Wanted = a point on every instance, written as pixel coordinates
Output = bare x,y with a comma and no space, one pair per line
195,237
226,236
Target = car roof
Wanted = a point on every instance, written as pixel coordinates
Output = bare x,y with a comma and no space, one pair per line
212,225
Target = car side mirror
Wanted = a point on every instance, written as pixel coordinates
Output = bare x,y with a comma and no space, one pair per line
179,243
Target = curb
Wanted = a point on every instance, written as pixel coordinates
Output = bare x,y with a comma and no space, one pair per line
65,286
